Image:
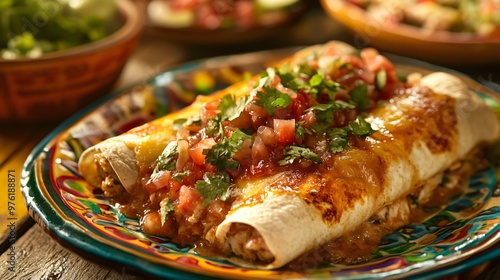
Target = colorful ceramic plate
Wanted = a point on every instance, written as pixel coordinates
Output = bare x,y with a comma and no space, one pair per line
448,48
66,207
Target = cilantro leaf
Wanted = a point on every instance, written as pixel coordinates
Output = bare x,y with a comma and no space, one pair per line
215,128
221,154
318,83
167,161
306,70
324,114
166,207
293,152
282,101
237,139
316,80
214,186
341,105
179,123
359,97
180,175
229,108
271,98
339,139
290,80
301,131
361,128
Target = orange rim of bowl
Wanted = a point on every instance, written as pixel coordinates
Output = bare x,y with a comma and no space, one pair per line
345,13
132,26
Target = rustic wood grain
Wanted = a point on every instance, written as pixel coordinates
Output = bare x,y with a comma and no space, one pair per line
40,257
12,157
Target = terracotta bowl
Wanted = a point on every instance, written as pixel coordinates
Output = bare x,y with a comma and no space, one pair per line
56,85
452,49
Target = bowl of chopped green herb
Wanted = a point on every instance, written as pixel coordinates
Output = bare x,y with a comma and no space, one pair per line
57,56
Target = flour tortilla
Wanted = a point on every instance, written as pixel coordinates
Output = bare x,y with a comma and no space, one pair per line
122,151
290,226
120,154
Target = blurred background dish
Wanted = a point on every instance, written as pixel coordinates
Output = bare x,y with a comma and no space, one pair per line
61,55
217,22
449,32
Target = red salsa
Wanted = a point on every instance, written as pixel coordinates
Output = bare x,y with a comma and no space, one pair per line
296,114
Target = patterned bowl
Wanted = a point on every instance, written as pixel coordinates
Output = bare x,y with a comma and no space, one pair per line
55,85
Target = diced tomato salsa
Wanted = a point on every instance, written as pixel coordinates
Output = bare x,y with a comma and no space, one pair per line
295,114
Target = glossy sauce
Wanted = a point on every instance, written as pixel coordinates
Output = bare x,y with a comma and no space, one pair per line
361,244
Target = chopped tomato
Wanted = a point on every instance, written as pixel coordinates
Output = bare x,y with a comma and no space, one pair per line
160,180
212,105
280,113
243,120
258,115
259,150
352,60
299,105
196,151
174,186
276,81
245,152
195,173
285,131
369,55
376,62
309,118
209,110
188,200
267,135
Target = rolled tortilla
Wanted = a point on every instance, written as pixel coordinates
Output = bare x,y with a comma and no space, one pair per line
142,145
292,224
419,137
120,154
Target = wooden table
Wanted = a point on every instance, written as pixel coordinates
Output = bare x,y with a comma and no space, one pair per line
40,257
